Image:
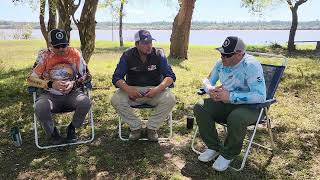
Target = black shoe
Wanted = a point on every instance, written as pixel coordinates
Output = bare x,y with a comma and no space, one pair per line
55,137
71,134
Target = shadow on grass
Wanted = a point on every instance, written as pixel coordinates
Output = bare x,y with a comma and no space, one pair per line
105,154
177,63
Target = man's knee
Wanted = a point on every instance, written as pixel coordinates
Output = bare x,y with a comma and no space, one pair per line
236,120
83,102
198,109
170,99
115,100
43,106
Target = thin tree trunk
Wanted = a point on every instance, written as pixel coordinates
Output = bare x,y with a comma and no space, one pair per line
294,23
86,27
293,29
120,23
64,15
181,30
52,22
41,20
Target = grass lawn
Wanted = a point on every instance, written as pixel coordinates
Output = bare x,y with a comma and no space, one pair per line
296,123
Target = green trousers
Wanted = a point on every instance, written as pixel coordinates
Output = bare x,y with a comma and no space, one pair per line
237,118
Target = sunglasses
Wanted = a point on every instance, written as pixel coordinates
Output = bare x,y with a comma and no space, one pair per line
60,46
227,55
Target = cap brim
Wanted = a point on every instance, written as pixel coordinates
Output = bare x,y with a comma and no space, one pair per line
58,44
147,40
221,50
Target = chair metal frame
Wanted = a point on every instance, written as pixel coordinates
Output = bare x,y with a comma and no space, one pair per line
146,106
33,91
261,119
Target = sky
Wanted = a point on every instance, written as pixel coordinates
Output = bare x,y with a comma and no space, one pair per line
138,11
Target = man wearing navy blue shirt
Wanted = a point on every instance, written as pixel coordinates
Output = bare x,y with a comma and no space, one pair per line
143,76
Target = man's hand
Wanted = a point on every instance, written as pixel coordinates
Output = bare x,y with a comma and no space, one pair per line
152,92
219,94
133,93
59,85
63,86
68,86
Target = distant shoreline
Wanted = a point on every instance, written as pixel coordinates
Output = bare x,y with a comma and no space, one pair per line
259,25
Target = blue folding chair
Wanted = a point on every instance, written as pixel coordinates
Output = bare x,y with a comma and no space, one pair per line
35,93
272,75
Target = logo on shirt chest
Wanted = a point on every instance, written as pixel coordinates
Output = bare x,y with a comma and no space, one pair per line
152,67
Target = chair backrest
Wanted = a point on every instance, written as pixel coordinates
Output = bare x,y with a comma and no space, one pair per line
272,75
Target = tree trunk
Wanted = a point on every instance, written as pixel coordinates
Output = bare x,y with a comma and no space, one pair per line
86,27
294,23
293,29
181,30
120,23
64,15
41,20
52,22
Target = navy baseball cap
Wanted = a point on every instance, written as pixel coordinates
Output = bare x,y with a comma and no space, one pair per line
57,37
231,45
143,35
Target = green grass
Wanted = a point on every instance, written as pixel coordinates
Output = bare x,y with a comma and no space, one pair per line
296,123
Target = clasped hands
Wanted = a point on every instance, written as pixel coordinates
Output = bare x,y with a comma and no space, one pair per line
134,93
219,94
63,86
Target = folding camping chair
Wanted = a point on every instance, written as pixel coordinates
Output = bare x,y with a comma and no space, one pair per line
272,75
146,106
35,91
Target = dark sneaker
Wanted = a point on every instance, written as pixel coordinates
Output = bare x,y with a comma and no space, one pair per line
71,134
152,135
55,137
135,135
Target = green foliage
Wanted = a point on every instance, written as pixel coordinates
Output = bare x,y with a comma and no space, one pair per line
23,32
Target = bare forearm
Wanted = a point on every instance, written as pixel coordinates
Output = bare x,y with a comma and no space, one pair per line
122,85
166,82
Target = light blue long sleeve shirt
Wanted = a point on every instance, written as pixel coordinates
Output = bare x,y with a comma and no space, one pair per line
244,81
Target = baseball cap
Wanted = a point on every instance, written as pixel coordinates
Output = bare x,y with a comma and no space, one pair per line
143,35
57,37
232,44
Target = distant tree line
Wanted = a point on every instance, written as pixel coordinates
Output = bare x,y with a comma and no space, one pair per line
195,25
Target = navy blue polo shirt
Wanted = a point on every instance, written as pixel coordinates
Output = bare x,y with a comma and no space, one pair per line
138,73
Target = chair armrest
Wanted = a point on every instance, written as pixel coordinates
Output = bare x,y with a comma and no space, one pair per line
88,85
267,103
31,89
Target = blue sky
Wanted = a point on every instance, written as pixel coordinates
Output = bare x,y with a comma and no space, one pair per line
165,10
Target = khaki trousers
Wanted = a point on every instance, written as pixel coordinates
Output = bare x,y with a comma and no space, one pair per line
163,102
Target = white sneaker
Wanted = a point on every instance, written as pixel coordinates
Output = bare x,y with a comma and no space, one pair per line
221,164
208,155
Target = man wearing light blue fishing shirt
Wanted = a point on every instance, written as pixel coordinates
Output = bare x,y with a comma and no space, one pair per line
242,83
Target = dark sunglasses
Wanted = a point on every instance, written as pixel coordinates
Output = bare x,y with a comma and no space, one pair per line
60,46
227,55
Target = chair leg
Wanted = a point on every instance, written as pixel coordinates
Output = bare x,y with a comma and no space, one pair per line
36,137
269,129
250,143
194,139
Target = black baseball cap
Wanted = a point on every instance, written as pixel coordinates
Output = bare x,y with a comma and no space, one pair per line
57,37
143,35
231,45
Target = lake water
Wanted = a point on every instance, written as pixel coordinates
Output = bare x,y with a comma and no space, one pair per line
203,37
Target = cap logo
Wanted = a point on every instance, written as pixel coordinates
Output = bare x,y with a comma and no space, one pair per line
59,35
146,33
226,43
